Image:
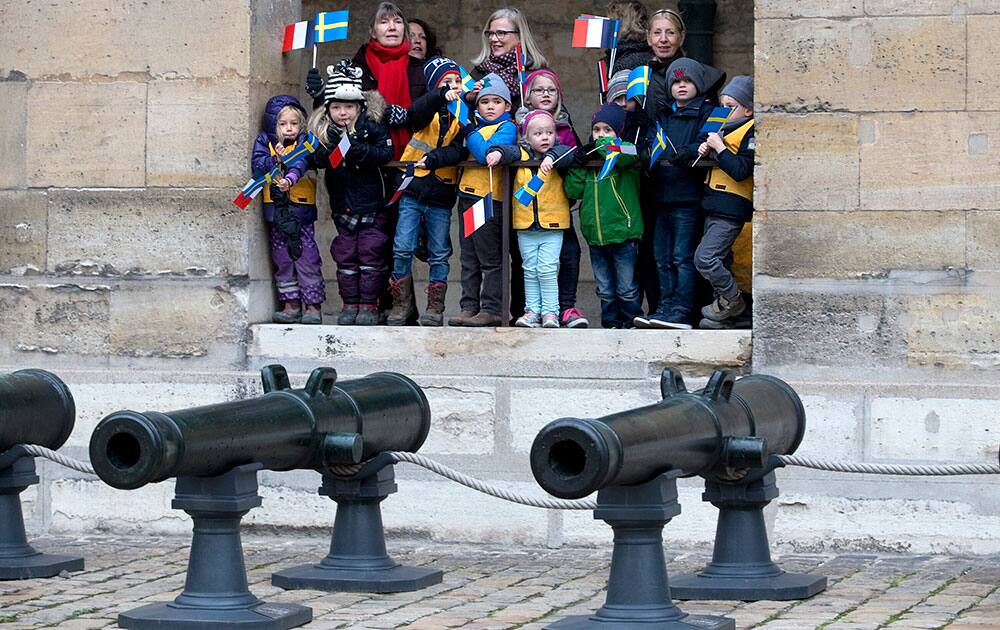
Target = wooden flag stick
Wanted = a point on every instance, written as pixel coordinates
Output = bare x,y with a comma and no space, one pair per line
644,107
314,56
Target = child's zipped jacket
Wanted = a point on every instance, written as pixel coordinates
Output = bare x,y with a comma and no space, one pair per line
482,136
549,210
609,209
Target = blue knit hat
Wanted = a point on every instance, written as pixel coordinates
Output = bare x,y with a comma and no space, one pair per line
436,68
493,84
613,115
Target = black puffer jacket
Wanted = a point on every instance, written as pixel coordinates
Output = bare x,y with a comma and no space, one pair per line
679,185
629,55
429,188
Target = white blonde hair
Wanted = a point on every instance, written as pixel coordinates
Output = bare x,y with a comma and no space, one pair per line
289,108
319,123
528,45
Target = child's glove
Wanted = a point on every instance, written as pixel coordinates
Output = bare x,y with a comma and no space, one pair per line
396,116
314,83
681,157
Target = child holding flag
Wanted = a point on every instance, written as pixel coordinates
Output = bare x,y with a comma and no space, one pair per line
677,190
353,145
728,200
611,220
481,250
429,195
540,223
290,211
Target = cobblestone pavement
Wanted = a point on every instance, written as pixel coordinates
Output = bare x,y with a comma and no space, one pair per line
493,586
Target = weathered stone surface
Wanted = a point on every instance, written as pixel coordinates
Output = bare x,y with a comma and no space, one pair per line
156,231
857,244
174,320
878,64
23,230
54,319
954,331
962,179
214,147
951,8
933,429
13,130
984,83
132,38
833,428
983,230
86,134
808,8
88,505
463,419
807,162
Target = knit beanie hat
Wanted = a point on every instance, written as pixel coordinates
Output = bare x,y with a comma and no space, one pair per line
436,68
544,72
493,84
532,115
685,68
344,83
740,88
611,114
618,85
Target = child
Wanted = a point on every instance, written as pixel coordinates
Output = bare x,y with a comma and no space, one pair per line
481,290
677,190
539,225
430,196
611,221
636,121
290,211
543,91
357,190
728,201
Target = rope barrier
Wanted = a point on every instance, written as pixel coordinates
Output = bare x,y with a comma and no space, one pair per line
890,469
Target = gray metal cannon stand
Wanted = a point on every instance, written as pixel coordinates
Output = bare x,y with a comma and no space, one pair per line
741,567
215,592
18,559
638,589
358,562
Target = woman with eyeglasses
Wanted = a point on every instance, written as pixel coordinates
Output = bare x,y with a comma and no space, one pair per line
504,30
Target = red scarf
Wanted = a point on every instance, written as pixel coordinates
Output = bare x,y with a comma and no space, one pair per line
389,66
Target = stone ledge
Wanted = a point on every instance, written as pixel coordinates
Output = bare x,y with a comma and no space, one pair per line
511,352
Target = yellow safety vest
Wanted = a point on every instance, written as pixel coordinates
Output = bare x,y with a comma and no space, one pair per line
551,203
424,141
304,190
717,178
476,179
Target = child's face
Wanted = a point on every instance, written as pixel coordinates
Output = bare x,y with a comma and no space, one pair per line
289,125
492,107
543,94
451,80
738,110
343,114
620,100
602,130
541,134
683,90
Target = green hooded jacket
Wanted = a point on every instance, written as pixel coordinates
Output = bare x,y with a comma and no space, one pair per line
610,212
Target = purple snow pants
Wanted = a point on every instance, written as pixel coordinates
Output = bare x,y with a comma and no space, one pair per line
300,279
362,257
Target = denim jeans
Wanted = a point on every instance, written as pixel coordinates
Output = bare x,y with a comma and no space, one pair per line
540,253
437,221
674,240
614,274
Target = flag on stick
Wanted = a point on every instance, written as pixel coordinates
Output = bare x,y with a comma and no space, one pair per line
602,76
638,82
659,145
297,36
521,72
407,178
340,151
301,151
467,81
594,32
330,26
525,194
716,120
616,146
249,191
477,215
609,164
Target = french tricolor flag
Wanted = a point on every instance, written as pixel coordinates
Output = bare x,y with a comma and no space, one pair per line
297,36
594,32
477,215
340,151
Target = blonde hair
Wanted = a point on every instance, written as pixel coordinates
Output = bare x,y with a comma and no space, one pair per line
520,23
385,9
320,123
285,109
669,14
634,19
559,97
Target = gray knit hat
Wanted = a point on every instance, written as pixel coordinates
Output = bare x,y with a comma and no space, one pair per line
740,88
618,85
703,77
493,84
344,83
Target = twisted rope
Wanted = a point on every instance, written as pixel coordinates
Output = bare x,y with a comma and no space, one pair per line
890,469
62,460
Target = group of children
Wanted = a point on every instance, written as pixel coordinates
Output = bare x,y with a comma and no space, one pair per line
376,244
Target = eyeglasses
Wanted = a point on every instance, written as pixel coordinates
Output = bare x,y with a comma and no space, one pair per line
499,34
544,91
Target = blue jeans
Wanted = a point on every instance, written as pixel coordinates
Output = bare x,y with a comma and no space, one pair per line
614,274
540,253
674,241
437,221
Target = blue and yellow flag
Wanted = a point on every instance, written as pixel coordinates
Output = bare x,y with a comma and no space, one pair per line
467,81
609,164
716,120
638,82
301,151
330,26
525,194
659,146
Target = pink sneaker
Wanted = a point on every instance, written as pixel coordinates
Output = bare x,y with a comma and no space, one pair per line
573,318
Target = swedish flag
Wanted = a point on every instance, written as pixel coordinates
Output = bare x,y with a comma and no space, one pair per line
330,26
638,81
525,194
659,146
716,120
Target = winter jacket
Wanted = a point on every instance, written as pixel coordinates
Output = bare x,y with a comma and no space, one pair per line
729,186
549,210
657,96
357,186
480,137
302,195
439,137
610,211
630,55
671,184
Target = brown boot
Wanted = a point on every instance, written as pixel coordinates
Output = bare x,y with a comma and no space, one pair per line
462,319
484,319
434,315
402,300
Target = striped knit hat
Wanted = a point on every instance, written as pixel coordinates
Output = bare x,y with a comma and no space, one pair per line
344,83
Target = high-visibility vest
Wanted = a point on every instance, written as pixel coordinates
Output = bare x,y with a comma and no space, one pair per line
425,141
303,192
717,178
551,204
476,179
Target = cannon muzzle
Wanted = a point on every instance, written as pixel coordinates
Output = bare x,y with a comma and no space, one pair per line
36,407
723,431
322,425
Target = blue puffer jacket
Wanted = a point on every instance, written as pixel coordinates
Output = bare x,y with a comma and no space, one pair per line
262,161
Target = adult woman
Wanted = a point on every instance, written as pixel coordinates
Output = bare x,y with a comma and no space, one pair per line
633,49
423,40
504,30
666,39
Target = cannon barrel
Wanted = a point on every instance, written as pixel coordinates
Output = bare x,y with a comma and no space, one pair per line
36,407
327,423
723,431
